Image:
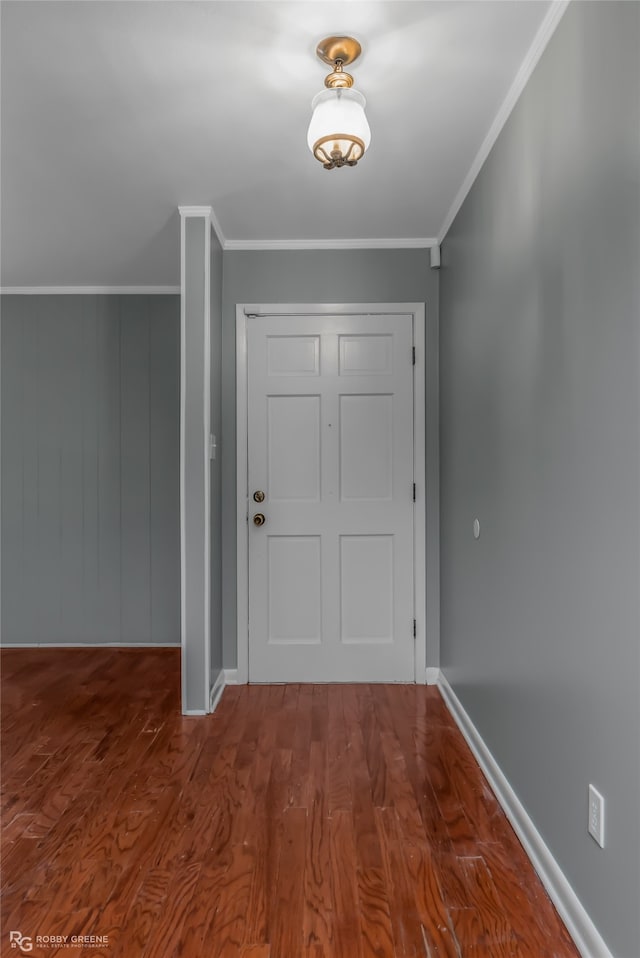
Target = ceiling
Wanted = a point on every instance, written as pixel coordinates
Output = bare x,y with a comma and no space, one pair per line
116,113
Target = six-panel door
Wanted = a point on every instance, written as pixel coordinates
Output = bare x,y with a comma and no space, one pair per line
330,444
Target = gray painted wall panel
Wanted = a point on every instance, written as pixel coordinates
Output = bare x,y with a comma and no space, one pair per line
108,416
23,432
90,469
49,433
71,517
135,559
540,438
90,473
164,445
321,276
13,491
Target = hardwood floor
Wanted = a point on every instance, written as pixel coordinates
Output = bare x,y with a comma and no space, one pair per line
298,821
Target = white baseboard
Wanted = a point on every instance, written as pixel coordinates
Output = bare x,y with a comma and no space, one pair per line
194,712
432,676
89,290
579,925
90,645
231,676
216,690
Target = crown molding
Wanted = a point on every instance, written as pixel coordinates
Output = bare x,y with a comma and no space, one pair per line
424,242
535,51
195,210
217,229
89,290
206,211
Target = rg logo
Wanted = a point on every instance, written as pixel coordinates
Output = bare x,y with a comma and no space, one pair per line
20,941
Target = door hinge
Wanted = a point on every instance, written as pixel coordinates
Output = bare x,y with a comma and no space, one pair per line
413,355
415,628
414,492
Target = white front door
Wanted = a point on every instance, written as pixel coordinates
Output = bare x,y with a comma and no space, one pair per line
330,445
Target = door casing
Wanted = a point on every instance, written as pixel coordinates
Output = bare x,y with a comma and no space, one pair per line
417,310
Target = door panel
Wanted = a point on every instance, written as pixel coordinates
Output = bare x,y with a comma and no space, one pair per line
366,447
294,589
293,355
293,430
366,588
362,355
330,442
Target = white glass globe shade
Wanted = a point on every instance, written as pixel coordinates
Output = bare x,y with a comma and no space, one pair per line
339,123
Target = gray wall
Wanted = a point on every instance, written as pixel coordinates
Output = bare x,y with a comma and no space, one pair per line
90,469
540,405
323,276
216,494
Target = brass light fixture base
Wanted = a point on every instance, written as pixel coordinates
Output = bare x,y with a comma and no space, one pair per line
338,51
344,49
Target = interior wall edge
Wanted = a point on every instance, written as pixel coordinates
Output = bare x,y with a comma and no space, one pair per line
217,688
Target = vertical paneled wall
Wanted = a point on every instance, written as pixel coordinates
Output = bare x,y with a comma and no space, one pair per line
90,469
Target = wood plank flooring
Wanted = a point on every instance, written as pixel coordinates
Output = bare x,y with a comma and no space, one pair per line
298,821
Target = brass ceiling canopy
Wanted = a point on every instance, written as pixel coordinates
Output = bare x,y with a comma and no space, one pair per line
339,48
338,52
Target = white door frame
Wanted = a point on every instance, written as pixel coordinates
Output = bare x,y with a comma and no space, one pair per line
417,311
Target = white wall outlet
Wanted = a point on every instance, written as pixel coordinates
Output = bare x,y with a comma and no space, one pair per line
596,815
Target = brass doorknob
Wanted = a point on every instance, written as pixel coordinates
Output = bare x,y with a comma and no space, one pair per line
258,496
259,519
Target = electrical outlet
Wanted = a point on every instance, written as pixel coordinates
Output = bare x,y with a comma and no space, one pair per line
596,815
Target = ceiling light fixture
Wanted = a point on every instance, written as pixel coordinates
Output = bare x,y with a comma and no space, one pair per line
338,133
